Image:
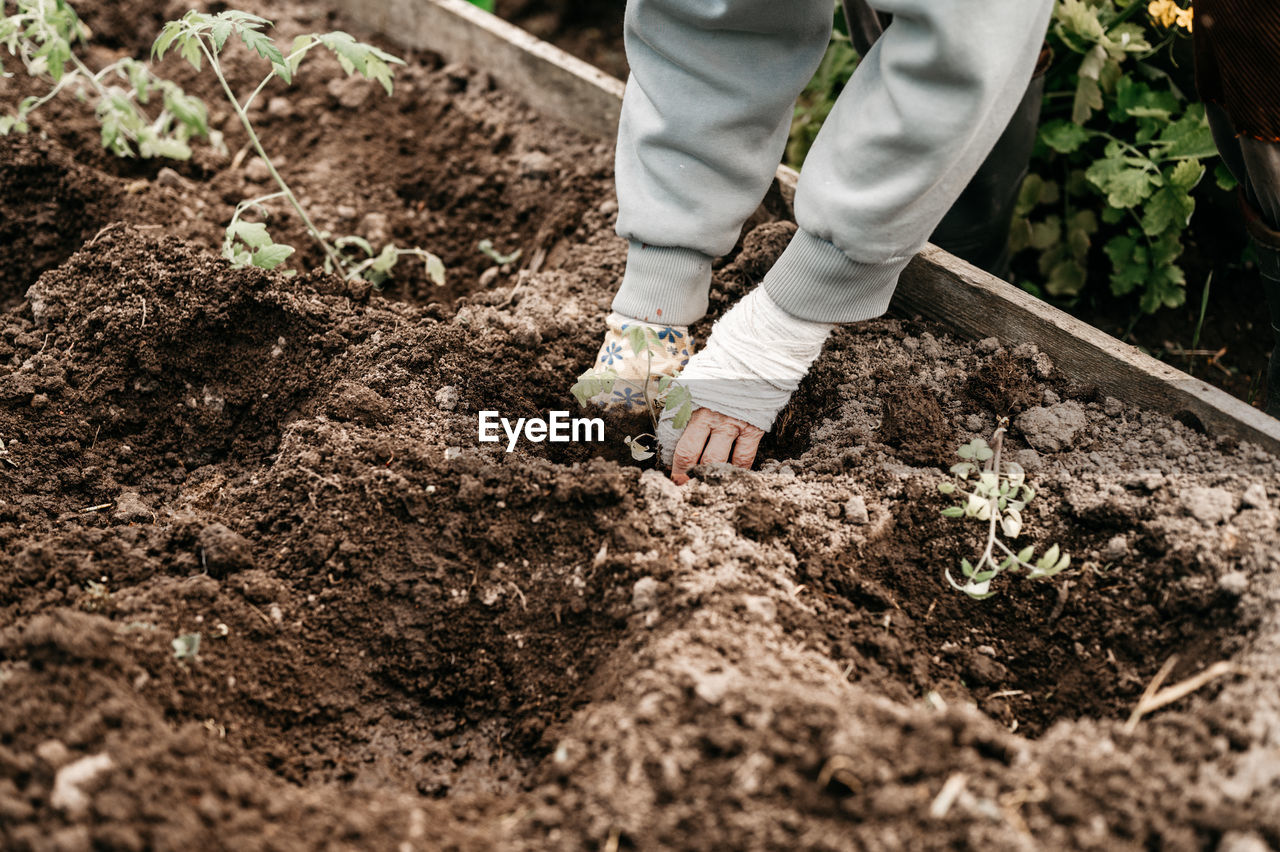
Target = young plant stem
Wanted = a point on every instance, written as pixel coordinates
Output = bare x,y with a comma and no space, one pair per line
648,373
997,445
329,250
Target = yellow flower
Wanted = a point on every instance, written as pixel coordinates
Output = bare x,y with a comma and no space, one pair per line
1167,13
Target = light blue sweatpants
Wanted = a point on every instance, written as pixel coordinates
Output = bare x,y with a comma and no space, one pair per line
705,121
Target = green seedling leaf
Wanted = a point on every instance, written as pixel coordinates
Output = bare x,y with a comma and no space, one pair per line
359,242
946,487
387,259
683,414
435,269
269,257
172,149
190,50
953,512
261,44
681,400
219,31
252,234
638,338
298,51
592,384
977,591
486,248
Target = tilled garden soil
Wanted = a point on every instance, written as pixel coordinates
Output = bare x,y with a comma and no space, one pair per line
411,640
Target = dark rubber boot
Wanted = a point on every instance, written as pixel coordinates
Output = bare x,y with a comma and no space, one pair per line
1266,241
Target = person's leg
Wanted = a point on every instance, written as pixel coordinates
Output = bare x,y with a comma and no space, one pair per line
907,134
704,123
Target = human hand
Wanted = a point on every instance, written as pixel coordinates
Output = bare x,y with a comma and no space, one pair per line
714,437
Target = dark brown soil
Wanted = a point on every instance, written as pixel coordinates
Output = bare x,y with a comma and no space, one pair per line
412,640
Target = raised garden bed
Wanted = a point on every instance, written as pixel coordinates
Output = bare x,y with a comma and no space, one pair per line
412,640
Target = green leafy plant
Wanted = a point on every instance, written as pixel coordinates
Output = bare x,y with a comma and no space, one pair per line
199,38
595,383
43,35
1121,148
1120,151
995,491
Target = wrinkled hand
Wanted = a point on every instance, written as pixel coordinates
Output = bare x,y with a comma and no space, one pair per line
714,437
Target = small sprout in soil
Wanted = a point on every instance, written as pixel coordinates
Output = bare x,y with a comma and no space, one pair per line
997,495
198,38
43,34
486,248
593,383
186,647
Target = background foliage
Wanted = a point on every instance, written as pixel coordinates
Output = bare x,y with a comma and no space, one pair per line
1121,147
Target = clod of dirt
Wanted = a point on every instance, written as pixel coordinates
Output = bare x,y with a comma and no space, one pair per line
131,508
644,594
1003,385
447,398
68,793
855,510
223,551
1255,496
1054,428
763,520
354,402
1209,505
762,247
913,424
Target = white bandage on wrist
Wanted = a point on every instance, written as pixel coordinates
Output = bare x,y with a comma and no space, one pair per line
753,362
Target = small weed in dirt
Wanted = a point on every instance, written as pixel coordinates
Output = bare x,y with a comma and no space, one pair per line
199,37
43,33
595,383
998,496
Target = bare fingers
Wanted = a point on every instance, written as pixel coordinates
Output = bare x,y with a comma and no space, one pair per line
714,437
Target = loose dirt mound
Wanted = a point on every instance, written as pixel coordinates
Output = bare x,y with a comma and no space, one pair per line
412,640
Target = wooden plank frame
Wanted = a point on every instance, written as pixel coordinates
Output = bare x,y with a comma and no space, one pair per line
936,284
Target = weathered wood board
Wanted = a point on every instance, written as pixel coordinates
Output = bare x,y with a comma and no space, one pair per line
936,285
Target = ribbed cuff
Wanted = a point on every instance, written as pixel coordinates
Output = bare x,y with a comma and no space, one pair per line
664,285
813,280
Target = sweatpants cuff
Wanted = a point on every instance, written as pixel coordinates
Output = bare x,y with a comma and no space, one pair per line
664,285
813,280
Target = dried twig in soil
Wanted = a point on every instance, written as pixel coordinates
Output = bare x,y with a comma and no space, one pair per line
1153,698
